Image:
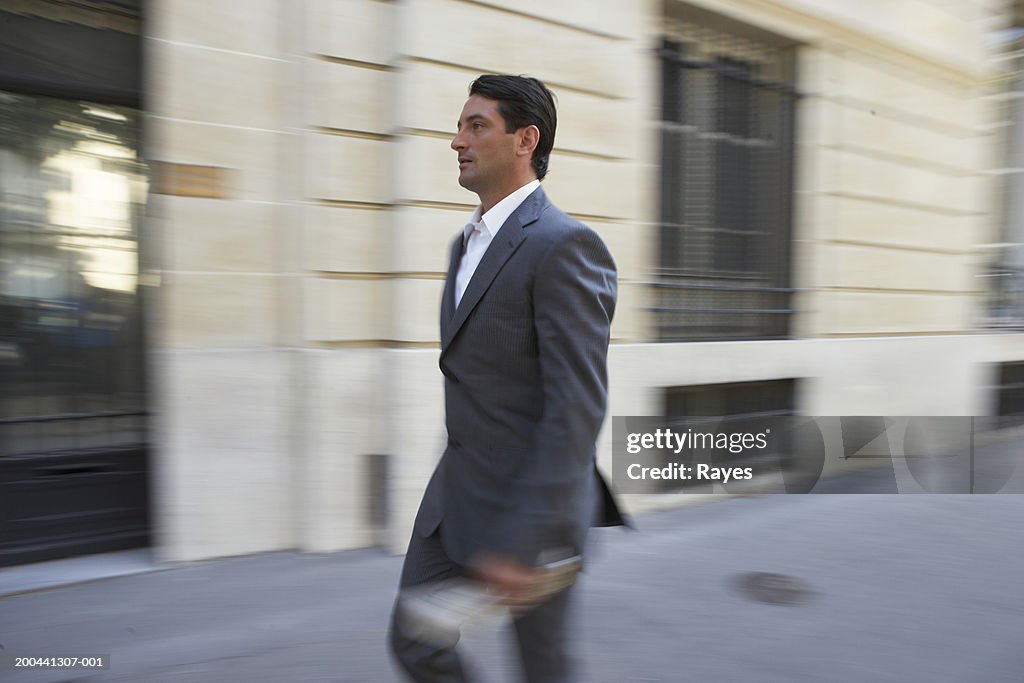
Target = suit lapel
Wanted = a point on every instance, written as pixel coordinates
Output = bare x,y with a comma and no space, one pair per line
504,244
448,298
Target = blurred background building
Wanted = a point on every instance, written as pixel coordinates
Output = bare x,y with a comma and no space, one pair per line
224,229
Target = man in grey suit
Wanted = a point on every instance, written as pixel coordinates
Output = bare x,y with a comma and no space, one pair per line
525,320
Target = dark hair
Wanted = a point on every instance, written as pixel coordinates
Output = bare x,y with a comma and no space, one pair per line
523,101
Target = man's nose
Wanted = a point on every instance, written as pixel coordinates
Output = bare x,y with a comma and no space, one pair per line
457,142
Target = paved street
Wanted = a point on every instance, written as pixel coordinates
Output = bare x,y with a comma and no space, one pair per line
894,588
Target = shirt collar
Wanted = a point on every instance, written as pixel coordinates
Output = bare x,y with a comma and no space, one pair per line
492,221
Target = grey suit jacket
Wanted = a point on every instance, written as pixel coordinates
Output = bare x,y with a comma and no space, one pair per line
525,363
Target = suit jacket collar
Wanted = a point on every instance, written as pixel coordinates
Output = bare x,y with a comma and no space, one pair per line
504,244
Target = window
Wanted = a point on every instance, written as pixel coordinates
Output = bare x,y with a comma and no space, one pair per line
727,121
1010,401
72,192
1005,275
73,453
733,403
771,398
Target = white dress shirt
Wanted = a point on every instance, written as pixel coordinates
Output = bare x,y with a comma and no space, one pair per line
479,232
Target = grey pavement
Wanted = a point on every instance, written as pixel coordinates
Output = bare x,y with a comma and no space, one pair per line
897,588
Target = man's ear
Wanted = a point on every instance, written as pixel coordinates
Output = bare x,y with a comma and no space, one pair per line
528,141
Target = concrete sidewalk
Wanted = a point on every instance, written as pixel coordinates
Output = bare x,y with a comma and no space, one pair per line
898,588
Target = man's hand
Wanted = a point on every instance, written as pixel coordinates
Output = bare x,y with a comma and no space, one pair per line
514,581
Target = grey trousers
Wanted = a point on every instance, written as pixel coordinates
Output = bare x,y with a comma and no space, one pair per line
541,633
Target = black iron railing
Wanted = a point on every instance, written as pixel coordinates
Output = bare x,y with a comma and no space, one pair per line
727,126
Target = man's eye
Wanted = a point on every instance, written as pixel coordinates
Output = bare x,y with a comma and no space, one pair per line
477,126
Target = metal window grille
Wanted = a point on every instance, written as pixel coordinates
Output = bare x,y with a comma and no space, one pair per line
1010,392
746,403
727,126
768,398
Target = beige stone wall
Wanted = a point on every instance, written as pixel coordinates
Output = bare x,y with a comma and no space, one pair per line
221,373
297,330
348,284
894,193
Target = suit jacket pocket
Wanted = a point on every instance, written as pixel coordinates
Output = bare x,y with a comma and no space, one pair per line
506,328
505,306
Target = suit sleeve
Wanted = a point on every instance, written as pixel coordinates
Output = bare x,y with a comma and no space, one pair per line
574,297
